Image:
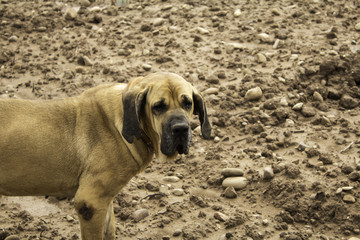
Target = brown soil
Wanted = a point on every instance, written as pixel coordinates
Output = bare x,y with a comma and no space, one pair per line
314,151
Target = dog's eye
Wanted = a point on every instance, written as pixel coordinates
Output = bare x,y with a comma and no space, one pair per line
159,107
186,104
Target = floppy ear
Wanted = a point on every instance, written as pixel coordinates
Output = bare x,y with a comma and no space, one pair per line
134,102
200,109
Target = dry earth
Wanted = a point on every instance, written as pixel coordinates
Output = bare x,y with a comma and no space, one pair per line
296,143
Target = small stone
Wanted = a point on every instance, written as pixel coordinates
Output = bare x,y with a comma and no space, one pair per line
79,69
178,192
338,191
275,11
140,214
145,28
301,147
265,222
211,91
253,94
348,188
12,237
357,27
13,38
354,238
146,67
348,102
265,38
284,102
177,233
87,61
230,192
202,30
289,123
349,198
298,106
171,179
158,21
292,170
268,173
216,139
85,3
354,176
221,217
278,44
293,57
236,182
261,58
232,172
70,218
327,158
237,12
308,111
70,14
153,186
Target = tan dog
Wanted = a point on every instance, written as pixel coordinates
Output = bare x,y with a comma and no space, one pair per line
88,147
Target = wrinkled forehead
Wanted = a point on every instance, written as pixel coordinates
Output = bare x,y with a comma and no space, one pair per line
170,85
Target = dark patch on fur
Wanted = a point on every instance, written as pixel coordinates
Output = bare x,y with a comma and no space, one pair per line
86,212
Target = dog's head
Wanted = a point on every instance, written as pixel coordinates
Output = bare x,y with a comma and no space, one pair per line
160,105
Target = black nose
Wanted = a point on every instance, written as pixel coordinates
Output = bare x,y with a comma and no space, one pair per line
180,128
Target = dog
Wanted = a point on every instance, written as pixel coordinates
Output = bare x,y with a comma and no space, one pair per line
88,147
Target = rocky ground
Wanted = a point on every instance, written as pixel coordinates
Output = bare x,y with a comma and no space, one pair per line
282,85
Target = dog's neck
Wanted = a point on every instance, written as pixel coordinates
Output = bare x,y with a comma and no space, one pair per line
145,138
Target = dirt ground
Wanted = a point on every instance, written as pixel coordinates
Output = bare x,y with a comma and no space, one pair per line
296,142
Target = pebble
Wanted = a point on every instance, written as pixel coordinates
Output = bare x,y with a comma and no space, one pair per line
87,61
85,3
284,102
172,179
158,21
348,102
230,192
70,218
357,27
265,38
349,198
293,57
232,172
216,139
278,43
70,14
275,11
202,30
177,232
13,38
178,192
289,123
354,238
146,67
211,91
236,182
308,111
301,147
317,97
12,237
140,214
237,13
261,58
253,94
268,173
298,106
221,217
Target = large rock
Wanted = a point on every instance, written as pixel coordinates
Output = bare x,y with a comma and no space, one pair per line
235,182
254,94
348,102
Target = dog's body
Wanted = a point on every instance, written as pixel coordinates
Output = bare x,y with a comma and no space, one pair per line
88,147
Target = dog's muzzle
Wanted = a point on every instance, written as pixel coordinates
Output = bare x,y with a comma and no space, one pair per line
176,136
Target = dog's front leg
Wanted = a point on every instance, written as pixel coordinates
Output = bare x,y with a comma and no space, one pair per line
109,228
92,210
